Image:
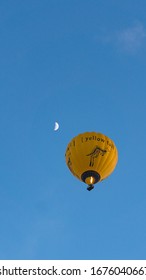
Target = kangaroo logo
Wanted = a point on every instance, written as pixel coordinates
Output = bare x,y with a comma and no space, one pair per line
95,153
69,163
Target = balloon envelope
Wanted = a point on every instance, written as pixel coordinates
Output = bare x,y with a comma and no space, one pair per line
91,157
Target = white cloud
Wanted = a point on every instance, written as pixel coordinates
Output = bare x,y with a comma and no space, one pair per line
129,40
132,38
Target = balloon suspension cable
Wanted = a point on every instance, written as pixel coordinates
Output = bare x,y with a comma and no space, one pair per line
90,187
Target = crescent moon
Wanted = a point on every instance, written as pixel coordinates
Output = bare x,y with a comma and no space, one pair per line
56,127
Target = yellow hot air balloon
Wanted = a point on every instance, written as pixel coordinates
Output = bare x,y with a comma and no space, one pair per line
91,157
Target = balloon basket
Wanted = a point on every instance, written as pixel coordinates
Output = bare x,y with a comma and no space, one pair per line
90,187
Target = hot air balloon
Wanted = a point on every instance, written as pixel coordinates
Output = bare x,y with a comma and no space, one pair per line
91,157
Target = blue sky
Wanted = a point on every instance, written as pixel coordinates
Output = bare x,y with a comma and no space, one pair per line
81,63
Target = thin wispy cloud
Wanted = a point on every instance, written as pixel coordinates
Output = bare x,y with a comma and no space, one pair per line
129,40
132,38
